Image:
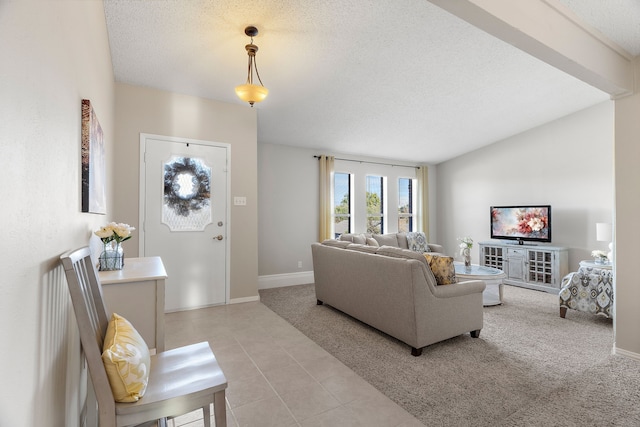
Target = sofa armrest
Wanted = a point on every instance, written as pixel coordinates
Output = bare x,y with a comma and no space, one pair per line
436,248
458,289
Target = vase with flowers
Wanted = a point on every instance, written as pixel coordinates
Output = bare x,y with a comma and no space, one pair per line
112,235
466,243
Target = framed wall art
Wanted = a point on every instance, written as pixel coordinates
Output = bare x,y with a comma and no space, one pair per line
93,162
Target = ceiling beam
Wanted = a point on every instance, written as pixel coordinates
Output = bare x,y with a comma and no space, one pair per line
549,31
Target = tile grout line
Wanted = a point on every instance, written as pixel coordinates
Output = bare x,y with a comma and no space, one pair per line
269,382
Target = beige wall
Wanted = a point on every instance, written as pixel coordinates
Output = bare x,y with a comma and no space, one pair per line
627,232
567,163
53,54
144,110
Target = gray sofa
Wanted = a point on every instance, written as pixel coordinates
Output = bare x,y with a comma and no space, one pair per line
393,290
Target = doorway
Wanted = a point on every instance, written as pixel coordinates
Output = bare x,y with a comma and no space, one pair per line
183,217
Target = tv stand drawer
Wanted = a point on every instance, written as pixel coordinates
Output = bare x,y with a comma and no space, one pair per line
516,252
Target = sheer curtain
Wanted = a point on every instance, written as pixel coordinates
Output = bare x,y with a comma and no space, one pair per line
423,199
326,197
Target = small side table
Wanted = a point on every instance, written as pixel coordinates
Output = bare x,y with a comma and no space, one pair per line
492,277
593,264
137,293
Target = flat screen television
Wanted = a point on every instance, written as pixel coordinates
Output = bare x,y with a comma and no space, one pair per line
530,223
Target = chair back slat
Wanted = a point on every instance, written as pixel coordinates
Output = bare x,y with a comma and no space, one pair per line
91,315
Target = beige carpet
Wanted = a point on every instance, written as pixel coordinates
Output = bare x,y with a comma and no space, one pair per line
528,368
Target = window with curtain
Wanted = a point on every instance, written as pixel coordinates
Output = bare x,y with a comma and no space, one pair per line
375,204
405,204
342,203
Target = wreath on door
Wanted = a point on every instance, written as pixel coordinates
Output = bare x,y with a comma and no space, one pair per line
187,185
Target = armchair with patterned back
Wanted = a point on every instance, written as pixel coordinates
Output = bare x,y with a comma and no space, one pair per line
590,289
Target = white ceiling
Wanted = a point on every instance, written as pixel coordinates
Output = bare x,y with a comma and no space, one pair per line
398,80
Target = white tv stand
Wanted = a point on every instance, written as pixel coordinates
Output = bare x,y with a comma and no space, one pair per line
532,266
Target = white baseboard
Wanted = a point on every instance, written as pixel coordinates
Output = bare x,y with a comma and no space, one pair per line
626,353
245,299
287,279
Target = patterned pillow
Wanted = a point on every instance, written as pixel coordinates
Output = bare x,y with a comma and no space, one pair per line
417,241
126,359
442,268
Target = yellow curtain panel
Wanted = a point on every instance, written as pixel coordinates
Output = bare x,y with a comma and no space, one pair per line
326,195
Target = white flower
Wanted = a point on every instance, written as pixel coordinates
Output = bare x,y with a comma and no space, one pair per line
535,224
123,230
104,232
466,242
112,231
598,254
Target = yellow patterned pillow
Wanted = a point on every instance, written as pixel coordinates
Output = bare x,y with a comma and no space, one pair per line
126,359
442,268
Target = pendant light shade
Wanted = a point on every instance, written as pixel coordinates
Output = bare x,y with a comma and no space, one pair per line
250,92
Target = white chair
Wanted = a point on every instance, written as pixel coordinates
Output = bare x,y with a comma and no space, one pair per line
181,380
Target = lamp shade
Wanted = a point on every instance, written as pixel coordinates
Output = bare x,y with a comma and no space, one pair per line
603,232
251,93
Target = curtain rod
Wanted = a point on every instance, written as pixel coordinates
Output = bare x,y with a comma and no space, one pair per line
373,163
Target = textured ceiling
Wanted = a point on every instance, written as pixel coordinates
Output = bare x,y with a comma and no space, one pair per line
403,80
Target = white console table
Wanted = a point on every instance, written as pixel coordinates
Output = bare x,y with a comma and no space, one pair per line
531,266
137,293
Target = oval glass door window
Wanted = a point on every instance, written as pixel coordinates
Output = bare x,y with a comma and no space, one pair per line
187,194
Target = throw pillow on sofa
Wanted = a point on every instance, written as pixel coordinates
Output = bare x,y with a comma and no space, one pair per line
372,242
417,241
386,239
442,268
360,239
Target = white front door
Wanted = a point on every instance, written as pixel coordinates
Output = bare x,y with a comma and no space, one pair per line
184,189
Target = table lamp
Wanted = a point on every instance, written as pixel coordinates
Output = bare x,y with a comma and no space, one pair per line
604,234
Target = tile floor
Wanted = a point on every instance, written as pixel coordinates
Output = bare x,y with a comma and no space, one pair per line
277,376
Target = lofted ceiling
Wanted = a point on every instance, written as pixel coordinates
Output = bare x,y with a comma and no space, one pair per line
397,80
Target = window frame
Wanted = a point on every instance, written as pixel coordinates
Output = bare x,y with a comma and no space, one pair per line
411,214
382,213
359,169
349,215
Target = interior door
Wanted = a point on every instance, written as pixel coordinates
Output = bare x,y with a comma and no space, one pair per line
185,218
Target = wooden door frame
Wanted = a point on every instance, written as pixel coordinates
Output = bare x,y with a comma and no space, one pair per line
142,199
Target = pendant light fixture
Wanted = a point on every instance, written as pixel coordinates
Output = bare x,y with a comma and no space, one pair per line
250,92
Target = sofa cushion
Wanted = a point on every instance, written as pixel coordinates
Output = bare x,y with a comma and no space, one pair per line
442,268
336,243
417,241
402,240
401,253
386,239
362,248
372,242
360,238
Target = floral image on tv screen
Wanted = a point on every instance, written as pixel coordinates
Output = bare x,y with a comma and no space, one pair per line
521,223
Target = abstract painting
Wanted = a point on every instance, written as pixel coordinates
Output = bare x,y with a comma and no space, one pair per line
93,163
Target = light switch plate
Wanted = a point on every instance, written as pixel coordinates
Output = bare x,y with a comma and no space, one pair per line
240,201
